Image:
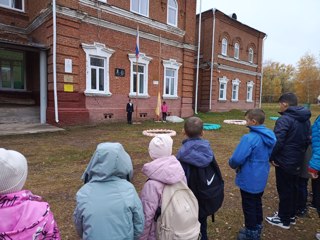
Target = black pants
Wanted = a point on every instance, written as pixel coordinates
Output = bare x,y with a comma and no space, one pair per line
203,228
164,116
129,117
287,186
302,194
252,209
315,184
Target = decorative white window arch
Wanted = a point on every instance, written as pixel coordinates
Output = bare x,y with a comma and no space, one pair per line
97,68
235,90
171,76
143,71
223,88
224,47
140,6
250,85
236,50
172,13
250,56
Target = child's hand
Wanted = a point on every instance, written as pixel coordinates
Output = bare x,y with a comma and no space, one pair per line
313,175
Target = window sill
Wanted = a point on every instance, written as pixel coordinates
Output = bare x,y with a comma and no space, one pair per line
170,97
97,94
134,95
222,100
235,100
249,101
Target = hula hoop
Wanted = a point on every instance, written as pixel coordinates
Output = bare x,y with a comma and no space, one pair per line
274,118
154,132
211,126
235,121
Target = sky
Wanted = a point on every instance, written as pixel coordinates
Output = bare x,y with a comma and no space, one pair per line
292,26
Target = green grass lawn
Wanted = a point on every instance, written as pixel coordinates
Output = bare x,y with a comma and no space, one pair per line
57,161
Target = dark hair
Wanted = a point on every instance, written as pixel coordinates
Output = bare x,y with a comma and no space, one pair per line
193,127
289,98
256,114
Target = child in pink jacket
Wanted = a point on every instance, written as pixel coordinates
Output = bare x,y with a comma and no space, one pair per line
23,215
164,169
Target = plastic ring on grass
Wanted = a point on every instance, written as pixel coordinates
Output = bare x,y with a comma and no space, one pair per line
155,132
274,118
211,126
236,122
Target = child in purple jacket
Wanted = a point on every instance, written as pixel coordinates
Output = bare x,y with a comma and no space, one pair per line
23,215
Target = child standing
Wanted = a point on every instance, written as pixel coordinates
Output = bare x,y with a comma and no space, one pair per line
195,152
108,206
164,170
23,215
164,110
251,161
292,130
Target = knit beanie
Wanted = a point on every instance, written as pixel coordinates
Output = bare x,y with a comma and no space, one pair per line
13,171
160,146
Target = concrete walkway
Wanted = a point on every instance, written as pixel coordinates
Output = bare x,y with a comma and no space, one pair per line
26,128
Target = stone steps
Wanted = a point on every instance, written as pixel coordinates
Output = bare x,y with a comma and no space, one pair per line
19,114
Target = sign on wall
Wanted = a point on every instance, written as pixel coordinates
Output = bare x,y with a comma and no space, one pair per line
119,72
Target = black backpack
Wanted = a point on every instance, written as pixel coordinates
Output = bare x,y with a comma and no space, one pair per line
208,186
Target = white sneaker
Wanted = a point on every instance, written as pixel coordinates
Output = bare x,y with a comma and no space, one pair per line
318,236
276,221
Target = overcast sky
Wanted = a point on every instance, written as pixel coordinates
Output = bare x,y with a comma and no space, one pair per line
292,26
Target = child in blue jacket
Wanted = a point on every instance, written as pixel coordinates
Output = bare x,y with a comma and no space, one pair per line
251,161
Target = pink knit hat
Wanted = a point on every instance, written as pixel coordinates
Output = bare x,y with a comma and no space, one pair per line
13,171
160,146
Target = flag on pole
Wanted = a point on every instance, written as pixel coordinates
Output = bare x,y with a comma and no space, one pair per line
158,108
137,44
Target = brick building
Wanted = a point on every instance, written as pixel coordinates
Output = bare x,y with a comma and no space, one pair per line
75,59
230,63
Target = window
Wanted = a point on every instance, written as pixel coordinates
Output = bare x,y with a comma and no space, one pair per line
140,7
13,4
223,88
224,48
139,72
250,55
170,86
12,69
236,50
249,91
235,90
172,12
97,68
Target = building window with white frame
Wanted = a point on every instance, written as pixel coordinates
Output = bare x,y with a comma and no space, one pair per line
250,91
139,75
13,4
236,50
250,55
140,6
172,15
97,68
235,90
170,86
223,88
224,47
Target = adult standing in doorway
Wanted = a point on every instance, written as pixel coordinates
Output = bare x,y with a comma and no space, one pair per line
130,110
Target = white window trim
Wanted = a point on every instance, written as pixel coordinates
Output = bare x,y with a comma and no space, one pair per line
250,85
15,9
143,60
131,9
104,1
224,53
251,53
173,64
176,16
97,50
236,82
236,50
223,81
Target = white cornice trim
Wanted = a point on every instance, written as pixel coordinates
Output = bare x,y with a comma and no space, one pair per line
133,17
119,28
238,70
237,61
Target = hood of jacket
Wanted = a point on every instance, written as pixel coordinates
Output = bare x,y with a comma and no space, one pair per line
167,170
299,113
195,151
109,160
267,136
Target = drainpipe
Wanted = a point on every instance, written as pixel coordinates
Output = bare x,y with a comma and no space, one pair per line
212,52
198,59
54,61
261,79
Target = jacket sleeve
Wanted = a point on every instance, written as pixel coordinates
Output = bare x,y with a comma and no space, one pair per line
241,153
150,199
138,217
315,159
51,228
77,214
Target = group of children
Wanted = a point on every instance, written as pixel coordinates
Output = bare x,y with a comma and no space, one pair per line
108,206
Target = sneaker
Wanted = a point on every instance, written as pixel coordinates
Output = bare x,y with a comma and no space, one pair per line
276,221
292,219
318,236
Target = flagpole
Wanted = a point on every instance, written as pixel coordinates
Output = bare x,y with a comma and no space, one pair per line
198,59
137,68
159,86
